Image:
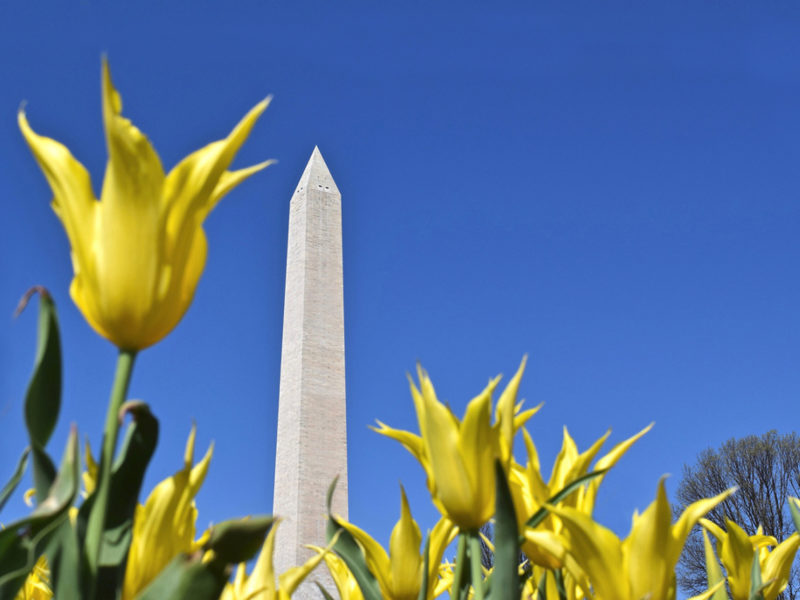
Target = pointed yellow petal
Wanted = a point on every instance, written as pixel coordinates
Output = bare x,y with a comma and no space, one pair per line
262,578
376,557
411,442
598,552
451,483
777,567
689,518
230,179
134,173
651,569
606,462
189,188
504,414
404,553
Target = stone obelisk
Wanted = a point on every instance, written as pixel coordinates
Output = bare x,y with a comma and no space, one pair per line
312,433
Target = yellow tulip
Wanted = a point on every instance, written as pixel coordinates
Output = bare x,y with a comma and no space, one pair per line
165,525
399,573
530,491
736,551
346,584
458,456
138,253
261,583
37,586
641,566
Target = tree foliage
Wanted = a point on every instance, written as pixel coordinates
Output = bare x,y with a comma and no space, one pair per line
766,469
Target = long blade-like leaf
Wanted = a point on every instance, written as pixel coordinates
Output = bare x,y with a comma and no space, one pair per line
505,578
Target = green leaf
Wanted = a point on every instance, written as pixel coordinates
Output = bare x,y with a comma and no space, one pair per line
462,575
423,590
43,397
541,590
22,542
558,575
63,557
12,484
239,540
187,578
324,592
505,577
127,476
794,507
756,585
350,552
540,514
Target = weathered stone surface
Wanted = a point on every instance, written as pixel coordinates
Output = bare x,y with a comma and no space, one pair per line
312,432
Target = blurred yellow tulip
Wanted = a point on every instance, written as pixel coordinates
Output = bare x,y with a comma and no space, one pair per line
165,525
346,584
261,583
138,253
641,566
36,586
737,550
399,573
530,491
458,456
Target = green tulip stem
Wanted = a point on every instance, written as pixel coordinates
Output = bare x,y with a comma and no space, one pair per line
475,564
461,563
97,516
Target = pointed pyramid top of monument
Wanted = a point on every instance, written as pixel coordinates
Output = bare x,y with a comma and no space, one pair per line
316,176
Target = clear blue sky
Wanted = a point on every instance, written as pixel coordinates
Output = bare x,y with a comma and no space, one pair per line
611,188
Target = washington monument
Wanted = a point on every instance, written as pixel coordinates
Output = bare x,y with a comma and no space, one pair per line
312,432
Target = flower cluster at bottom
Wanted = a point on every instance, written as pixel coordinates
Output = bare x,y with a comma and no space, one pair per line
546,546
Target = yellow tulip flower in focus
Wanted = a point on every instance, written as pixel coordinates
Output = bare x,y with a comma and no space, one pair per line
399,573
138,252
641,566
459,455
736,551
165,525
261,583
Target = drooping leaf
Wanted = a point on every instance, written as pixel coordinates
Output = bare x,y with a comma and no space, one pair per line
193,577
505,578
540,514
350,552
186,578
239,540
43,397
12,484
